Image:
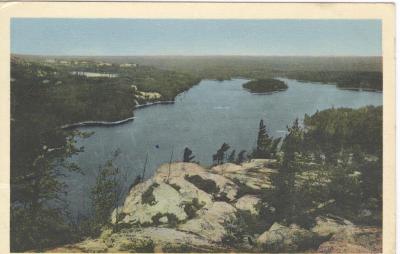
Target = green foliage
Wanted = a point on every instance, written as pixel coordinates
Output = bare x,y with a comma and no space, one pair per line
148,197
265,85
231,157
192,207
332,165
267,147
206,185
37,193
45,97
172,219
106,194
138,246
351,70
241,157
353,80
332,130
187,155
219,156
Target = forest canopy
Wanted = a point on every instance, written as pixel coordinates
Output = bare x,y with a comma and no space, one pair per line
265,85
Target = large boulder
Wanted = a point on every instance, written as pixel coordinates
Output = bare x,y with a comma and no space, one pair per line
152,201
174,195
327,226
280,238
249,203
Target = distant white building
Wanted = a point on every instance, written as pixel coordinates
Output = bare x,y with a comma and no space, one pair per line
104,64
127,65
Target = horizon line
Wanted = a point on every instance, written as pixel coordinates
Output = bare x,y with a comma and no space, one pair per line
187,55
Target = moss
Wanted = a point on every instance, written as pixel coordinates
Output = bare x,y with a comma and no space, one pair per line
183,248
244,189
172,219
192,208
148,197
206,185
139,246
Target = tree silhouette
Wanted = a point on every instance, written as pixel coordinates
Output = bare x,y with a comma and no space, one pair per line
241,157
266,146
187,155
219,156
231,157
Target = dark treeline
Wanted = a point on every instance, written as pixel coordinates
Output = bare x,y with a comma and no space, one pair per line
332,165
346,72
265,85
368,80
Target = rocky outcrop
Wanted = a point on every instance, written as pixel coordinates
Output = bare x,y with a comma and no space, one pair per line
210,221
327,226
249,203
357,239
251,176
187,208
287,239
176,191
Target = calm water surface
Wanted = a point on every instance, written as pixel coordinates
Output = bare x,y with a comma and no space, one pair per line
202,118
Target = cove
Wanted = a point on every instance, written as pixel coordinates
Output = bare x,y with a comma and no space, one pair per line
209,114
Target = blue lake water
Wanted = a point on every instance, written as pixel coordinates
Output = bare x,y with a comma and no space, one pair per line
209,114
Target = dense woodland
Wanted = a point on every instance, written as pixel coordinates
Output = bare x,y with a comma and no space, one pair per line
346,72
265,86
339,148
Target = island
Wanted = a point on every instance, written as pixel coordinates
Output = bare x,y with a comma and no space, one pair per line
261,86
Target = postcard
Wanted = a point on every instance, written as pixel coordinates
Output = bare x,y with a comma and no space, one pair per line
197,127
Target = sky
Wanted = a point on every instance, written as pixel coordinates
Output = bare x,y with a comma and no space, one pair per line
129,37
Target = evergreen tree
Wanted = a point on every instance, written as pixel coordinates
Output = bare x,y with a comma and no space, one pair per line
187,155
231,157
267,146
219,156
38,212
241,157
284,181
106,194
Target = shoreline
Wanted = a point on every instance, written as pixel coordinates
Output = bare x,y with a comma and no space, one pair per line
96,123
153,103
114,123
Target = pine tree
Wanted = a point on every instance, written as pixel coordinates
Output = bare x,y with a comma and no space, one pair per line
231,157
187,155
284,181
106,194
219,156
267,146
241,157
34,223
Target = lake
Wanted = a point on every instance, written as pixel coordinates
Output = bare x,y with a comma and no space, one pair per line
209,114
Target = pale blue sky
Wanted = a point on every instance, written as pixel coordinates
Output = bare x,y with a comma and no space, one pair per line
195,37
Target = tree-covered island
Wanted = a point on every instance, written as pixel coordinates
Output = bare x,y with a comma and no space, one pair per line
265,86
